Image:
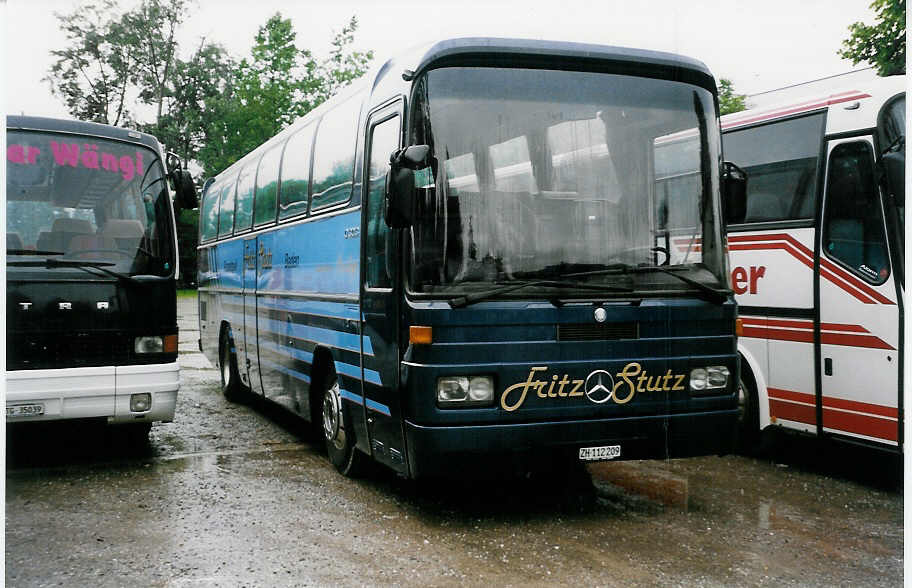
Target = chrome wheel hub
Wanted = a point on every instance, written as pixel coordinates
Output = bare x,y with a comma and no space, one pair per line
332,416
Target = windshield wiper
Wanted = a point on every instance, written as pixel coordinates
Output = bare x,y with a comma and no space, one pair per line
86,266
31,252
462,301
712,294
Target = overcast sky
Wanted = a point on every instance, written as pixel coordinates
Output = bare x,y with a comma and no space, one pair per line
759,45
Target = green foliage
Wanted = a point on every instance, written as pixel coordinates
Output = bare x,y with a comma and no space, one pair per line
729,101
883,45
276,85
92,72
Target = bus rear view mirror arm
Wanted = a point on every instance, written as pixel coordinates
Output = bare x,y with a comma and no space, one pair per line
734,193
184,188
894,168
399,206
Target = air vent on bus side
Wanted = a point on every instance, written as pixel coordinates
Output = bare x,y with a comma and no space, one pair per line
598,332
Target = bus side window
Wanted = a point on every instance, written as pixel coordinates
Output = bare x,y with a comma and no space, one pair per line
267,186
209,213
244,213
384,140
226,210
296,173
852,224
334,155
781,161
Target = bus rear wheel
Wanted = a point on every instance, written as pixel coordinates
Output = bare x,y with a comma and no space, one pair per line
231,378
337,431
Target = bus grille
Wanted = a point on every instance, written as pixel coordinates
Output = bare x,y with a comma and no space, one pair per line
46,351
598,332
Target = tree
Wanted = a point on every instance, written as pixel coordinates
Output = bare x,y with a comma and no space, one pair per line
883,44
729,101
92,73
276,85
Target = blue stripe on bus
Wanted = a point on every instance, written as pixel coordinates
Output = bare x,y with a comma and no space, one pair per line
354,371
338,339
279,368
338,310
298,354
371,405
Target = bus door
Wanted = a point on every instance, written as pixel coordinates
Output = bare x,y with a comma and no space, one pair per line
274,328
859,315
380,293
249,353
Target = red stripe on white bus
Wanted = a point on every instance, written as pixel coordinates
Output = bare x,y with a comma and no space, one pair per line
802,107
828,270
803,332
864,418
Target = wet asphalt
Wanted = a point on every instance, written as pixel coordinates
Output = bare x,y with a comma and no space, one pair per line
241,495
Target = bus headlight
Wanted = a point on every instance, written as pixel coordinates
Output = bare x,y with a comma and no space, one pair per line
155,344
709,379
456,391
149,345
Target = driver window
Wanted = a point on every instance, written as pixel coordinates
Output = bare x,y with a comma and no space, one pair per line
384,140
852,225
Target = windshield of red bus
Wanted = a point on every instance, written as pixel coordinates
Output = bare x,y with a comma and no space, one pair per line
543,174
87,199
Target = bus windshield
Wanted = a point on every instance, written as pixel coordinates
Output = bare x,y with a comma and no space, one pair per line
86,199
543,174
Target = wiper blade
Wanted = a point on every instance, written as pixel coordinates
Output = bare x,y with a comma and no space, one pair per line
86,266
462,301
31,252
717,296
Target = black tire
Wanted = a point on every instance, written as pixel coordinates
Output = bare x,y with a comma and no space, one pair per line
338,433
232,387
748,417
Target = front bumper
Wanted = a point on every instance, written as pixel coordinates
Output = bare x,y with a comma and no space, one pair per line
445,451
95,392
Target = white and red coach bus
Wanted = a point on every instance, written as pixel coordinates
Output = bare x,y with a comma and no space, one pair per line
817,263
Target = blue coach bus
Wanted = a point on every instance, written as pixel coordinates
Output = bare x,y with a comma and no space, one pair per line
486,248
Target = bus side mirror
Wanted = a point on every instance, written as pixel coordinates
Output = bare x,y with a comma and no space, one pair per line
734,193
894,166
400,199
186,190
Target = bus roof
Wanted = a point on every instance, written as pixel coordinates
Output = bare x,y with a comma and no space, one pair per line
518,52
77,127
850,108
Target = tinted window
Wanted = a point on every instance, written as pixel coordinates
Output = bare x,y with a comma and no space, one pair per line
226,209
244,214
296,173
209,213
852,224
781,164
267,186
334,155
384,139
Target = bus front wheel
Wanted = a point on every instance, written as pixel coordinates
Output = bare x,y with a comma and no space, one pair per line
340,443
231,378
748,416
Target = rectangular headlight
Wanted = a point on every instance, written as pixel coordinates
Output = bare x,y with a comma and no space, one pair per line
154,344
458,391
709,379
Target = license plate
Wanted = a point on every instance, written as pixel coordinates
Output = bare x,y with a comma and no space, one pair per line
25,410
599,453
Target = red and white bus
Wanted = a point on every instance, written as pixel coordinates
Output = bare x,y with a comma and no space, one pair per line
817,263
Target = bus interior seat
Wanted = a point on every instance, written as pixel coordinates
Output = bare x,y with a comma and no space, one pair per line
13,241
125,233
62,233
